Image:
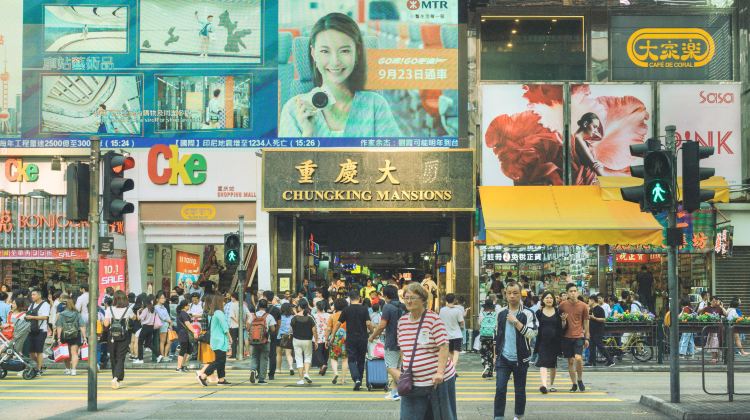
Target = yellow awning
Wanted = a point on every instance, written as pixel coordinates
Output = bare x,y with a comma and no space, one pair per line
563,215
611,187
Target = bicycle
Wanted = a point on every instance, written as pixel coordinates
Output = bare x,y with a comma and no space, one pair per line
634,344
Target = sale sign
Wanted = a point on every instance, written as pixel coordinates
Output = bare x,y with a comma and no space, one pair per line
188,263
111,274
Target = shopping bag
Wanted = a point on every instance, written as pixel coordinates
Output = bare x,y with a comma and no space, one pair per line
84,352
477,344
171,335
61,353
8,332
379,350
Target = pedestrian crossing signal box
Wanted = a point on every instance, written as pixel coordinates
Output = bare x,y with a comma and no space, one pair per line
231,249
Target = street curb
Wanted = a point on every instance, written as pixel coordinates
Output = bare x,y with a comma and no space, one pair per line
680,411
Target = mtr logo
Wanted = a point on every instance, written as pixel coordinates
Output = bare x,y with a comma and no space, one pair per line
191,168
17,171
424,4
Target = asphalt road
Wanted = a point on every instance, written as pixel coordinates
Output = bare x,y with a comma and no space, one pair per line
165,394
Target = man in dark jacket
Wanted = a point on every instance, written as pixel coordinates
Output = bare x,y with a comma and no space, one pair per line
516,326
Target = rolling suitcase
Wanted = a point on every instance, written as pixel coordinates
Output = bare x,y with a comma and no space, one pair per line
377,375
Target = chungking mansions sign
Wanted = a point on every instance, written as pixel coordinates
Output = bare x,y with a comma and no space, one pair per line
351,180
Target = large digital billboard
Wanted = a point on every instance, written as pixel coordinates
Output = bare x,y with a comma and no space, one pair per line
229,73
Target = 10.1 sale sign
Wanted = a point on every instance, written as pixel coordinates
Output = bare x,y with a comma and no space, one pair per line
111,274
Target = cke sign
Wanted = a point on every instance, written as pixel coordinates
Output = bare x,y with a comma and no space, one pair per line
17,171
191,168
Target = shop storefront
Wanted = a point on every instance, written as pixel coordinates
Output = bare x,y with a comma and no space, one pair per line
564,91
38,245
186,201
367,214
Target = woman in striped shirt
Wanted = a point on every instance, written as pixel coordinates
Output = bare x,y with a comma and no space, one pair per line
432,371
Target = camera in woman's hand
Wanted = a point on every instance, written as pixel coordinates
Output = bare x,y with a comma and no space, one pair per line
320,98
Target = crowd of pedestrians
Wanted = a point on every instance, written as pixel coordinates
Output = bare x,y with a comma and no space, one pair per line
341,327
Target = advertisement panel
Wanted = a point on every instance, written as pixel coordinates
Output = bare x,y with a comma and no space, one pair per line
173,173
219,73
392,76
111,274
187,267
522,126
605,120
697,47
711,115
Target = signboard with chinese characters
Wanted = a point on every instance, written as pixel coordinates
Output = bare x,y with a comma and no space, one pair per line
349,180
626,258
724,244
698,230
695,47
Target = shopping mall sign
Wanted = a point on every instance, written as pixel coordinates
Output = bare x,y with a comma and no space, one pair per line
685,48
334,180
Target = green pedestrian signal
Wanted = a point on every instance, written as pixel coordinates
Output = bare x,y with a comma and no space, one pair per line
231,249
659,193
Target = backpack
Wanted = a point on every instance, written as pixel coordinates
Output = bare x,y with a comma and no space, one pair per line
70,327
488,325
204,30
118,329
259,330
34,324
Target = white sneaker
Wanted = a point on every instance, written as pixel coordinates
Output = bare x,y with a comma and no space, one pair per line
73,372
159,359
115,383
137,362
67,371
301,382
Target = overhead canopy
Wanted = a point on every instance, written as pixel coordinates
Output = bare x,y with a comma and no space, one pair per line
611,187
563,215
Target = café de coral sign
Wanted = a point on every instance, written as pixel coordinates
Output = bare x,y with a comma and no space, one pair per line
368,181
671,47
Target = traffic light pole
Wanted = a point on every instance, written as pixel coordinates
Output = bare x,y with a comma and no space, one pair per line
241,286
673,285
93,271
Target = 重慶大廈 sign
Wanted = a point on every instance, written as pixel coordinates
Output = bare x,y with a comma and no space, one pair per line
349,180
695,47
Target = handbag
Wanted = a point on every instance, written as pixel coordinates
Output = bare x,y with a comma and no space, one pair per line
84,352
157,321
286,341
406,381
172,335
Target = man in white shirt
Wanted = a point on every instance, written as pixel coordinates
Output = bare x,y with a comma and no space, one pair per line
604,305
196,309
704,301
453,318
38,314
82,303
233,312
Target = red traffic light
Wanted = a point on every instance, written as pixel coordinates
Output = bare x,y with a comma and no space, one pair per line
122,163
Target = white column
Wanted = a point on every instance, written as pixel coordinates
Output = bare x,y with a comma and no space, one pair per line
262,233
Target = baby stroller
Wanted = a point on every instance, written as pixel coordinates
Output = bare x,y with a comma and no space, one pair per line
10,359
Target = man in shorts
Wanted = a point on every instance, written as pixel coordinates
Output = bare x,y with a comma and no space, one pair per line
38,314
576,337
453,318
392,311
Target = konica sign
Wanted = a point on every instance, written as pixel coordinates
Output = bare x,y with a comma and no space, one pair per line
680,48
